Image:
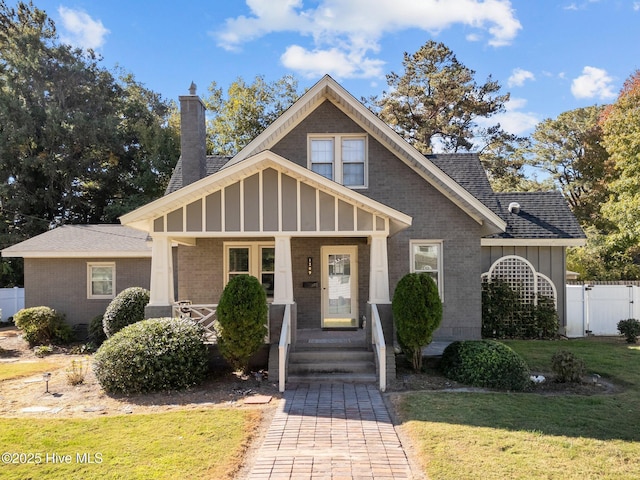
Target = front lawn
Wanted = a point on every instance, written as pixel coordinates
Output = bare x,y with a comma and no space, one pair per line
525,435
186,444
11,370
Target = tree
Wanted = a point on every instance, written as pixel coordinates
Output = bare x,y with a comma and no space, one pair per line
570,149
77,144
621,128
417,313
435,102
246,111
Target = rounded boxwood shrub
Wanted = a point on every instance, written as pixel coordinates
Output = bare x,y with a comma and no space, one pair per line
417,312
126,308
43,325
152,355
485,363
242,320
630,328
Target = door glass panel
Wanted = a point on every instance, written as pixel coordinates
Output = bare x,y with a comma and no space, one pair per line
339,287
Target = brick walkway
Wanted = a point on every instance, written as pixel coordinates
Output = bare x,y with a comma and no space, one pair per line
331,431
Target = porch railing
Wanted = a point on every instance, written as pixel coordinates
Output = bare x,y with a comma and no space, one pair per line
204,315
283,348
377,339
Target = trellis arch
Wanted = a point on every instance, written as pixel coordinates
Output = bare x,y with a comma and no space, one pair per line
519,273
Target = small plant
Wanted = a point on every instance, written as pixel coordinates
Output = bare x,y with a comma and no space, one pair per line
153,355
485,363
567,367
242,320
96,331
126,308
76,371
630,328
43,325
42,350
417,313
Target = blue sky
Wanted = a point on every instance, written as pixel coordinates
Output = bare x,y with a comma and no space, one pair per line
550,55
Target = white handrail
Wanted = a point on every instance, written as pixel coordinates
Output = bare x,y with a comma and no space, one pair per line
204,314
377,338
283,347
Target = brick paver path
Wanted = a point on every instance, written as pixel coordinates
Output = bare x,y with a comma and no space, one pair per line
331,431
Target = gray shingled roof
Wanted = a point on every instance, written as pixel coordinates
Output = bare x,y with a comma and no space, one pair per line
83,240
213,164
543,215
466,170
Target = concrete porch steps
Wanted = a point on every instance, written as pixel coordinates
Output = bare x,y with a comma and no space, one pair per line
331,363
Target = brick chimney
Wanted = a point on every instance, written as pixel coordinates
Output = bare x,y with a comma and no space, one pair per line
193,137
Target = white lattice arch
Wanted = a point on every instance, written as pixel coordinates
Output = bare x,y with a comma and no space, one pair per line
521,274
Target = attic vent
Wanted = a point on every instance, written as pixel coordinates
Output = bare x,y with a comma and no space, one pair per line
514,207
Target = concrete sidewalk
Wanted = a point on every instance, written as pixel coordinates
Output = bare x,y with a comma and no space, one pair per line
331,431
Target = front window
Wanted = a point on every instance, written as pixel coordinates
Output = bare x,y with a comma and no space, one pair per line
426,257
255,259
341,158
101,280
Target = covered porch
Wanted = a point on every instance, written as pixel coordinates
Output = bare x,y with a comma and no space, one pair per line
319,248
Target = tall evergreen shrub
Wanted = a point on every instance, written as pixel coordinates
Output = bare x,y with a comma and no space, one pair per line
242,320
417,313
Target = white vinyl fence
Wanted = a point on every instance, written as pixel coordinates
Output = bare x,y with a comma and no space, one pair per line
597,309
11,300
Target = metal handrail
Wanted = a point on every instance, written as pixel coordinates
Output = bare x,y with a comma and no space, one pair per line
283,347
377,339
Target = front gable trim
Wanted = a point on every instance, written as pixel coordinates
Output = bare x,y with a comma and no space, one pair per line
266,195
328,89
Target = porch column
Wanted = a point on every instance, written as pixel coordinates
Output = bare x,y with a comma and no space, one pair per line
161,273
378,270
283,288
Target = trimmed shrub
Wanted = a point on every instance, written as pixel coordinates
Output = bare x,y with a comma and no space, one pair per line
242,320
159,354
126,308
96,331
485,363
417,313
43,325
630,328
505,315
567,367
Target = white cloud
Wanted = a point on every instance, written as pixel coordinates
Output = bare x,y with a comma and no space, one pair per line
335,62
513,120
345,33
519,76
593,83
81,30
636,6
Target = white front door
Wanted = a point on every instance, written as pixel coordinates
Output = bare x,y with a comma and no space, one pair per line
340,286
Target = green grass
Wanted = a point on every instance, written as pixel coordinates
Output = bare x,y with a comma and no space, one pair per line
186,444
11,370
524,436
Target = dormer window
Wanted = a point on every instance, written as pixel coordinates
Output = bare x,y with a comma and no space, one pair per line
341,158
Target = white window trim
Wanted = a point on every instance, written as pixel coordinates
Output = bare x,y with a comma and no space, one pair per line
255,268
337,155
440,271
90,266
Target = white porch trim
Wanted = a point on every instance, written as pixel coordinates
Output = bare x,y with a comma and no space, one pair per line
161,282
378,270
283,275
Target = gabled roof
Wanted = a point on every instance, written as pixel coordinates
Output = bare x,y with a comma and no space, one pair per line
86,241
328,89
543,218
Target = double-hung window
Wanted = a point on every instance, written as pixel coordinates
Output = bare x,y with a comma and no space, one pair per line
341,158
255,259
426,257
101,280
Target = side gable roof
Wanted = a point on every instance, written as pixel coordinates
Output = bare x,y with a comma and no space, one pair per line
328,89
544,218
86,241
212,165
